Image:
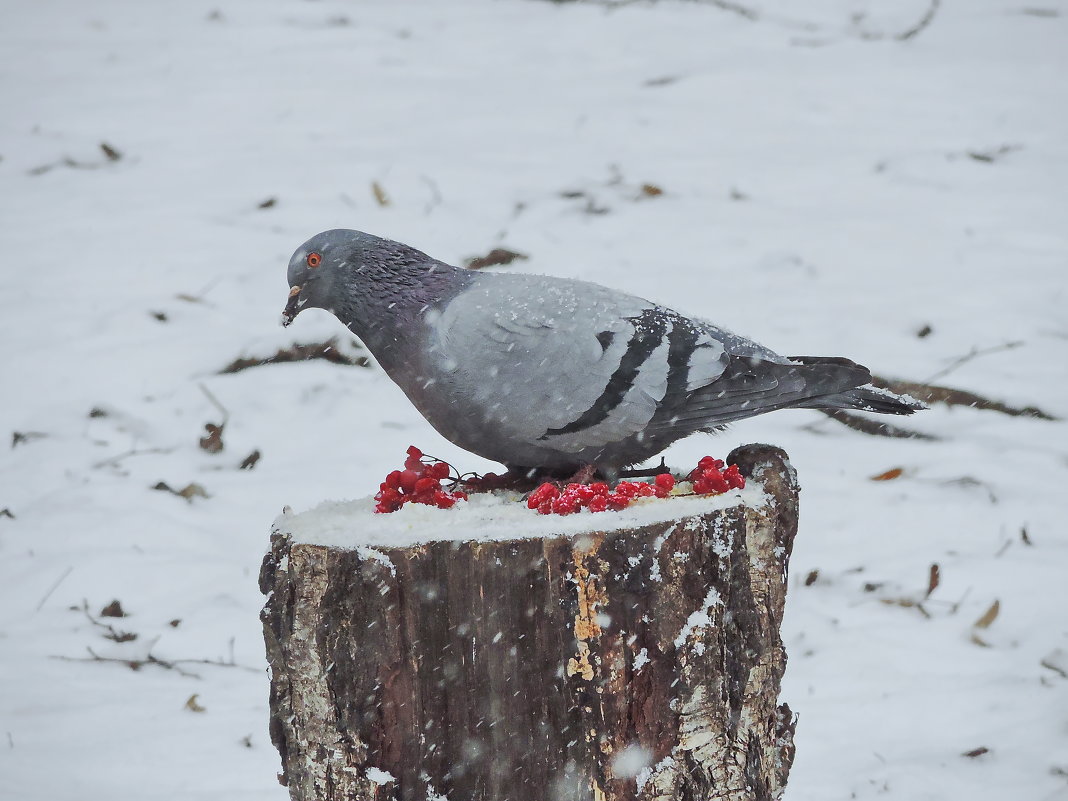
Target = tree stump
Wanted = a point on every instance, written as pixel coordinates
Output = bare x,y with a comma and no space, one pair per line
624,664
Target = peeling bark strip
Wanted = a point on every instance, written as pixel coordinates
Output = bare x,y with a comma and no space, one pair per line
624,666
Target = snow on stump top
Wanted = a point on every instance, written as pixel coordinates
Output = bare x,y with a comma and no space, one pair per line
485,653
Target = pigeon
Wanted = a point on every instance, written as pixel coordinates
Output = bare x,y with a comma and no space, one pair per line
555,374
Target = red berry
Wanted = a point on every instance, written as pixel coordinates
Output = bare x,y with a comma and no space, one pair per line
545,492
393,480
565,504
665,481
425,484
408,479
626,489
598,503
616,501
715,482
734,478
599,488
438,470
585,493
443,500
545,507
414,452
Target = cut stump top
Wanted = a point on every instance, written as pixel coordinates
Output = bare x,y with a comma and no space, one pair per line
496,517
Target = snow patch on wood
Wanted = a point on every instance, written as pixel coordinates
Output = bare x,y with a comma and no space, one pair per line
486,517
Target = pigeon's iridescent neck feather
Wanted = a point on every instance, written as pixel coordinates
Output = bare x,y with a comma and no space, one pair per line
388,290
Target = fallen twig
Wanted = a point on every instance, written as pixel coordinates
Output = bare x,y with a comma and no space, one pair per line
111,155
932,393
298,353
496,256
114,460
111,632
212,441
151,659
922,24
972,354
53,588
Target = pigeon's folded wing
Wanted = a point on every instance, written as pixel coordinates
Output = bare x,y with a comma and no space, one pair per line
570,365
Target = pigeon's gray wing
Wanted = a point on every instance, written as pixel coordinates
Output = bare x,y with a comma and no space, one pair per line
568,365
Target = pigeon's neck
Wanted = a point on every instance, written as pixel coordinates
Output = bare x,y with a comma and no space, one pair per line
385,301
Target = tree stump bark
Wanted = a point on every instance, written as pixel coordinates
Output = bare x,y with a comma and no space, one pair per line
622,665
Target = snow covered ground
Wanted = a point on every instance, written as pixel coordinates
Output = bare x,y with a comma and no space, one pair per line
831,185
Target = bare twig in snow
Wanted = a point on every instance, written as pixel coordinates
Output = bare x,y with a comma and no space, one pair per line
298,353
496,256
435,194
152,660
1057,661
111,155
215,402
198,297
992,155
212,441
111,632
736,8
922,24
915,30
932,393
115,460
972,354
53,588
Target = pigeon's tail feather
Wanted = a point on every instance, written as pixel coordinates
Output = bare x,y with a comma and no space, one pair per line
866,398
869,399
749,387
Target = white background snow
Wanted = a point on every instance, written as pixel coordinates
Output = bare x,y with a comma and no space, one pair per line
828,188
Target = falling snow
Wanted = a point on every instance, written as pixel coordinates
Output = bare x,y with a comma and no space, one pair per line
829,185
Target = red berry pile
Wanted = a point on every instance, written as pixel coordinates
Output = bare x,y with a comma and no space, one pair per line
418,482
710,477
596,497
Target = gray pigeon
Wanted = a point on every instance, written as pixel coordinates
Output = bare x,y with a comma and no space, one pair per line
535,371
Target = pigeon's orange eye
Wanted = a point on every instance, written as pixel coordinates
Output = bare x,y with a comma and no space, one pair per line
314,259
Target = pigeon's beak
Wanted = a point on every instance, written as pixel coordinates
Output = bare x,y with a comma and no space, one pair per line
292,308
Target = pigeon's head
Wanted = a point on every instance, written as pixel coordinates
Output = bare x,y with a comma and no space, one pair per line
316,268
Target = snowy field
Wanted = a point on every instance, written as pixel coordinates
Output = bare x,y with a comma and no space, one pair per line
836,178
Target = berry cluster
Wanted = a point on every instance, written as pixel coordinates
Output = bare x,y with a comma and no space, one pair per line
596,497
710,477
418,482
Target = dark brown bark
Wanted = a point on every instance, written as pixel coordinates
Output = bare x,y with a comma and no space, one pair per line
540,670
